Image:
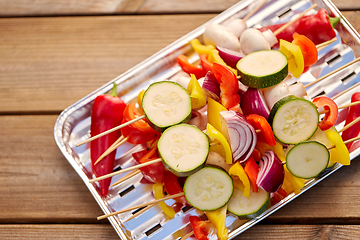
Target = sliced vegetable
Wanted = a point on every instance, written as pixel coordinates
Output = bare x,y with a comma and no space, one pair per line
331,111
263,69
172,186
153,172
353,113
252,170
189,68
339,153
184,149
264,133
206,65
166,104
213,113
248,207
215,159
208,189
223,148
200,48
211,87
275,93
296,183
253,101
308,49
239,133
293,119
294,56
271,173
230,57
218,219
140,131
197,95
158,193
307,159
238,171
202,230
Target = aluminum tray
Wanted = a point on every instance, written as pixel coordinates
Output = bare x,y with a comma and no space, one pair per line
72,126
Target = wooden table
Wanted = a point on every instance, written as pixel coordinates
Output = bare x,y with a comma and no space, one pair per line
52,53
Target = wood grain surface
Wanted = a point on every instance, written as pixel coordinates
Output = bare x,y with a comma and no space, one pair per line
47,63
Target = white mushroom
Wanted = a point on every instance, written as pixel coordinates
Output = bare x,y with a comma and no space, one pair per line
236,26
275,93
270,37
219,35
252,40
216,159
298,90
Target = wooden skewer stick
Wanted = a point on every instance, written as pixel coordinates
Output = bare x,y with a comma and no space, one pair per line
141,205
343,106
352,140
125,170
140,212
349,125
126,177
321,45
111,130
113,147
254,10
277,31
331,73
187,235
346,90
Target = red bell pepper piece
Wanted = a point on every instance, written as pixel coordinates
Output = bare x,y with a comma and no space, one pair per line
318,28
354,130
206,65
172,186
190,68
252,170
308,49
265,134
202,230
106,113
153,172
140,131
331,111
229,85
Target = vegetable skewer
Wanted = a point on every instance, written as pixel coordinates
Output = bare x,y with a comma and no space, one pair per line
140,205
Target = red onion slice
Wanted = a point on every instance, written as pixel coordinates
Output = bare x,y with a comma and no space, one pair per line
253,101
239,133
211,86
271,173
230,57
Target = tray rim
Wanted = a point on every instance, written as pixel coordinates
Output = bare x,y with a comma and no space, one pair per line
59,124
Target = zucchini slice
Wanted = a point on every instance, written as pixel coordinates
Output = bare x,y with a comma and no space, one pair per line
208,189
166,104
293,119
248,207
263,69
307,159
183,149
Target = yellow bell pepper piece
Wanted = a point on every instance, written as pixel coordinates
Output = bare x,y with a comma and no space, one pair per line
215,57
218,219
287,187
296,183
237,170
139,100
223,148
340,153
197,95
213,113
201,49
158,193
294,56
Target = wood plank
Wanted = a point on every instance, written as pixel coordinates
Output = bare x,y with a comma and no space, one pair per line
53,62
105,231
92,7
40,186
